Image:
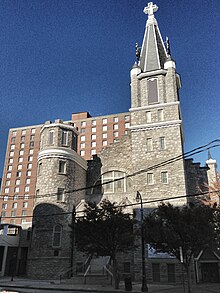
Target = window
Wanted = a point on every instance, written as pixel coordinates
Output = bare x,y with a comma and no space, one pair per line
104,135
21,153
93,152
19,167
149,145
115,126
13,214
127,267
150,178
4,206
15,205
127,118
17,182
162,143
29,166
93,136
156,272
31,145
51,137
25,204
33,130
83,130
22,138
28,173
65,138
13,140
10,161
93,144
22,145
28,181
57,236
11,154
83,138
20,159
104,142
115,181
32,137
115,134
7,183
16,189
30,159
83,123
127,125
15,197
152,91
115,119
104,121
148,116
3,215
24,213
23,221
7,190
26,196
40,168
27,188
8,176
171,273
160,116
82,145
93,122
62,167
164,177
9,168
82,153
14,133
93,129
23,132
104,128
18,174
12,147
31,152
60,194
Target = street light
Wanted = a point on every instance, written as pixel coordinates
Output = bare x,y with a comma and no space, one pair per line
144,287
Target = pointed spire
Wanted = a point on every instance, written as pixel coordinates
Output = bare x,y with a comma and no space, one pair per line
209,155
153,53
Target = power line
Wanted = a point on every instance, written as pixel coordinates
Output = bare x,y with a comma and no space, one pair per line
123,205
197,150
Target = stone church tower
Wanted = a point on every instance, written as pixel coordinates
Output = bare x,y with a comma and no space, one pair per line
61,172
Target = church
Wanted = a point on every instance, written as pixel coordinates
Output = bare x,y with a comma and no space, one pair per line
144,154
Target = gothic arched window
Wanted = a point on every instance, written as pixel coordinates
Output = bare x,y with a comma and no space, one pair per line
57,235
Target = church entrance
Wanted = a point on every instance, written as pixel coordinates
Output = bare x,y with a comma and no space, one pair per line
210,272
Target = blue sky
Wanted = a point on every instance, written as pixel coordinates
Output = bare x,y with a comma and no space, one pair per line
64,56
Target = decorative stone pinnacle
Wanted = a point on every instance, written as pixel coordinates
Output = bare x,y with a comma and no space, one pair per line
150,9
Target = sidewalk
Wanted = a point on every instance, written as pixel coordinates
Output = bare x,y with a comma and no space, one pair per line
20,283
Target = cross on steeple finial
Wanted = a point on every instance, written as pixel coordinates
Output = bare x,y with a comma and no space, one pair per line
150,9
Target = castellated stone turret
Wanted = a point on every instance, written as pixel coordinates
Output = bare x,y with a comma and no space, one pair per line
60,187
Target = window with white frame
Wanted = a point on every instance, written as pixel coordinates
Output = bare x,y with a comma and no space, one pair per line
30,159
10,161
83,123
93,129
64,138
7,183
24,213
51,137
9,167
4,206
31,152
14,133
93,144
164,177
16,189
104,142
93,122
82,145
150,178
82,153
152,91
23,132
115,119
27,188
28,173
22,145
160,115
104,121
162,143
115,182
148,117
19,167
33,130
149,143
127,117
23,138
14,205
83,138
115,126
93,136
17,182
11,154
5,198
12,147
104,135
25,205
104,128
21,153
26,196
62,167
28,181
29,166
13,214
7,190
20,159
115,134
13,140
15,197
8,176
127,125
93,152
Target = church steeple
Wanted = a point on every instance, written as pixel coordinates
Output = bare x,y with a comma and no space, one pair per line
153,52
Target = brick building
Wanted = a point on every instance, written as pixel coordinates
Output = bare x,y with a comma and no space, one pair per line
47,166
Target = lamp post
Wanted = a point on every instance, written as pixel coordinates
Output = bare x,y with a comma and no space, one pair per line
144,287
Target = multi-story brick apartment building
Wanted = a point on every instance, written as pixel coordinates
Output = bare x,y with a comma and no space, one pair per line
20,170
